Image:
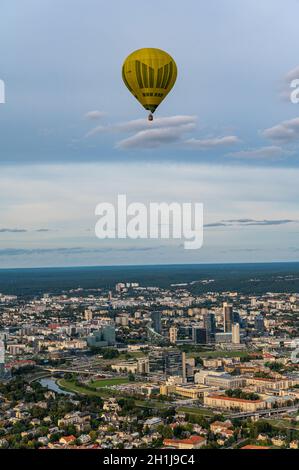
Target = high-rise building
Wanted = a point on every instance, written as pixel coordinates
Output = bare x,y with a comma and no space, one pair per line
199,335
104,336
185,331
156,321
188,368
143,365
259,324
166,362
237,318
156,362
236,333
173,363
210,326
227,317
173,334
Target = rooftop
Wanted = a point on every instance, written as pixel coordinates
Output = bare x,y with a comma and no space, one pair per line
189,440
241,400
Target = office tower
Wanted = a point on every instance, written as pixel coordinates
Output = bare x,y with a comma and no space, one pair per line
227,317
166,362
2,359
109,334
236,333
188,367
156,321
237,318
173,363
185,332
104,336
210,326
143,365
259,324
156,362
199,335
173,334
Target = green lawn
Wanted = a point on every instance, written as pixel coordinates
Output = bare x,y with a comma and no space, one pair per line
69,386
108,382
215,354
195,411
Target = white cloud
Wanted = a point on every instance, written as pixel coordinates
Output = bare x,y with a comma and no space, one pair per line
94,115
269,152
215,142
157,123
155,137
161,131
250,223
96,130
138,125
286,131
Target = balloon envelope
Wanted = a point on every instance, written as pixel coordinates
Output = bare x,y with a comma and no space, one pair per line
149,74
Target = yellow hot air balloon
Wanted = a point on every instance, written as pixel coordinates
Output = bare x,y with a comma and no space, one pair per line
149,74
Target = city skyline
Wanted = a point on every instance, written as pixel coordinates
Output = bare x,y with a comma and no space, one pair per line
130,366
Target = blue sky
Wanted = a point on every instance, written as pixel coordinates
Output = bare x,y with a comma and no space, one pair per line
72,136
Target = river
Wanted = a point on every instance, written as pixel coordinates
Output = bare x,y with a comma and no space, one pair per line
51,384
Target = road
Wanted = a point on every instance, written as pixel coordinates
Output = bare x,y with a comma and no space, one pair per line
267,412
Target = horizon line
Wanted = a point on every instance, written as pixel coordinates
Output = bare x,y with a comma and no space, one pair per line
212,263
